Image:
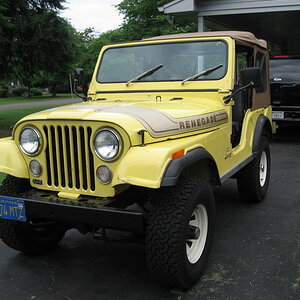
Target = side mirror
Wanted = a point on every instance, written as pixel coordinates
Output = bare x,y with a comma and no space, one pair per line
252,75
79,82
79,77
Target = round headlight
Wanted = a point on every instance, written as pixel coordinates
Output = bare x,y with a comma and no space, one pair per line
107,144
30,140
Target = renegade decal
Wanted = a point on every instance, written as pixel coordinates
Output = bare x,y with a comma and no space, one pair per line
159,123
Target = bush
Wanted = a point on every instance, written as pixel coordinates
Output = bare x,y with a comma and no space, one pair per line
36,92
63,88
19,91
3,92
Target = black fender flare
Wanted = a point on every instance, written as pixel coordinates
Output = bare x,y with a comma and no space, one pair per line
262,128
176,166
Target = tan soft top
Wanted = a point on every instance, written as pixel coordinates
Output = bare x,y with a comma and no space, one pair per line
239,35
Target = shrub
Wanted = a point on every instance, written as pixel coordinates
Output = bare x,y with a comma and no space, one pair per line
36,92
3,92
62,88
19,91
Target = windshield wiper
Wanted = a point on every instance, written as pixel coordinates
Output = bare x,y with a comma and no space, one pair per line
145,74
205,72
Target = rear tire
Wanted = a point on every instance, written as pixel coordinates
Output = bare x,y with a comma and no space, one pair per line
253,179
180,232
27,237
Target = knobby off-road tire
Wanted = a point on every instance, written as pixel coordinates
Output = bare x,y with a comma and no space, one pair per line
253,179
180,232
24,236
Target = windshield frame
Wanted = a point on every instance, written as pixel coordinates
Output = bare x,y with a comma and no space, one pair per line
164,43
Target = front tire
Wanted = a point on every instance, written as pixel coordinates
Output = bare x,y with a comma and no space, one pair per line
180,232
253,179
27,237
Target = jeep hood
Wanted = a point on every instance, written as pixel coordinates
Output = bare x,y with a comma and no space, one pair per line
159,119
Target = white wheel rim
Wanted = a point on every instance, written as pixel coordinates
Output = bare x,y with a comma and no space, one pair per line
195,246
263,169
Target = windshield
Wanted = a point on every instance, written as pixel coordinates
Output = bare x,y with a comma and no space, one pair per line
179,61
285,70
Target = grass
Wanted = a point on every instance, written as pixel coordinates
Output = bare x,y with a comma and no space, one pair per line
2,176
24,99
9,117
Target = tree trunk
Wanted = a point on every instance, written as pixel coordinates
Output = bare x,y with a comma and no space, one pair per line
29,90
53,90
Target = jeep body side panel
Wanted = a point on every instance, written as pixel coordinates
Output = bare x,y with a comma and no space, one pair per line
11,160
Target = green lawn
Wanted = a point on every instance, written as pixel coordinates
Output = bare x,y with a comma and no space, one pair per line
9,117
2,176
23,99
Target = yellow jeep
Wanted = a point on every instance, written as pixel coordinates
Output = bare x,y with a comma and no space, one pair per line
165,118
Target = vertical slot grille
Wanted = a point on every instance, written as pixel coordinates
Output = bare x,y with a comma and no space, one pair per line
70,162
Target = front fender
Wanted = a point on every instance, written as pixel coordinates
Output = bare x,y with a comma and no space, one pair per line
11,160
151,167
263,127
191,158
143,166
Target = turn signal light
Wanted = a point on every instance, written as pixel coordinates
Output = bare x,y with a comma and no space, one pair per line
178,154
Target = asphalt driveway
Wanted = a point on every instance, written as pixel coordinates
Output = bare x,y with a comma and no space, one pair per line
256,253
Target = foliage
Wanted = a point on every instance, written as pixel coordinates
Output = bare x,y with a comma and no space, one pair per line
63,88
3,92
36,92
40,49
142,20
38,43
19,91
89,45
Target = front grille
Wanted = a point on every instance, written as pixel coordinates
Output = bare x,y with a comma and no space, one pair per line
70,162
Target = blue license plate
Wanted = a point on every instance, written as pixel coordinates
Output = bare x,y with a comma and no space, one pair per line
12,209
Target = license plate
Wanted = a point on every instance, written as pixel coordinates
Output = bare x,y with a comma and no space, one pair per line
12,209
278,115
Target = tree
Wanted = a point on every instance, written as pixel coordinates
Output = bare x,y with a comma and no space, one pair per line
36,41
142,19
88,47
55,49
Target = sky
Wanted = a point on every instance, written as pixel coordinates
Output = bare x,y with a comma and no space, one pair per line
99,14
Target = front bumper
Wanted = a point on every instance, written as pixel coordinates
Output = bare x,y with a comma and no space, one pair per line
82,213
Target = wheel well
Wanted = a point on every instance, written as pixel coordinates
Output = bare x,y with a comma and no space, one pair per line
262,128
204,169
267,131
197,163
